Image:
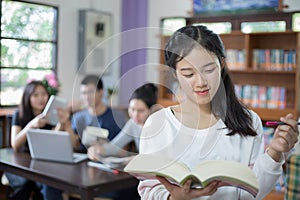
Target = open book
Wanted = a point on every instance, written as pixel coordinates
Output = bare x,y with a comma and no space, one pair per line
231,173
116,162
49,111
92,135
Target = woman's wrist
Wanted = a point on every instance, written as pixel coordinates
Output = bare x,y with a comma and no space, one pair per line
275,155
65,125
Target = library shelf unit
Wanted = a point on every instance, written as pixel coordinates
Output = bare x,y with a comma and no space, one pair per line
269,75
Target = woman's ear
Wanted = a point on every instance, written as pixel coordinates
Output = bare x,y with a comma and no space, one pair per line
101,91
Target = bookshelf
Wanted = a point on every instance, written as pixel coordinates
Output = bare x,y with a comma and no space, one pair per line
277,75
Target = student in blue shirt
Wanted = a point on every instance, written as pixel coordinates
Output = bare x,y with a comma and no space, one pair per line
142,103
96,113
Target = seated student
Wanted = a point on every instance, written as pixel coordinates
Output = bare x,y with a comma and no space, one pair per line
141,103
97,113
29,115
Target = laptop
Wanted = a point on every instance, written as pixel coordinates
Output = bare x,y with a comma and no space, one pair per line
52,145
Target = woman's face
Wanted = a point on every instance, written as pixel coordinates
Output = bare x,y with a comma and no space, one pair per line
138,111
39,98
199,75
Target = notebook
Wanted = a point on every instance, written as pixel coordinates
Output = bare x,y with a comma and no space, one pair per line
53,103
92,135
52,145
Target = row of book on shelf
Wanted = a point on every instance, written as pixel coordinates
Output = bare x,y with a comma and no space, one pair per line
263,59
258,96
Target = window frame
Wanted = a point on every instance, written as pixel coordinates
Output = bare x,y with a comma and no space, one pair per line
53,42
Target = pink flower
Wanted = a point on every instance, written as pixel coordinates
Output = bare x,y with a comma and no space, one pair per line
50,76
53,83
51,79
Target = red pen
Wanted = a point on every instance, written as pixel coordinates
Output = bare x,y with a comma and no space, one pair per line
274,123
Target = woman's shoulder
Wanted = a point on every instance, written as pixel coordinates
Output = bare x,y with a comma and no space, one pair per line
255,117
256,122
160,112
159,118
15,117
131,126
16,113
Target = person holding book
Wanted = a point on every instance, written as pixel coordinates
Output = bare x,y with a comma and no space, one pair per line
209,123
141,103
96,113
29,115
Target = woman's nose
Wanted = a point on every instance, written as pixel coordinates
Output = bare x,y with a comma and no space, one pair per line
200,79
135,114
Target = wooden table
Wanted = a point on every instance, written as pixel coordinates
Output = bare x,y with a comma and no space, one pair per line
5,117
79,178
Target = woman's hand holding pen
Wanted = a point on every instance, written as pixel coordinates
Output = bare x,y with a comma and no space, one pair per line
285,137
186,192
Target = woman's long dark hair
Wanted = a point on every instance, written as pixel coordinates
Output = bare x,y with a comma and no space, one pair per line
236,116
25,108
147,93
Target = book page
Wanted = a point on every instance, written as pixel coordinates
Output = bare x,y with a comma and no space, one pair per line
231,172
97,131
49,111
148,166
116,162
92,135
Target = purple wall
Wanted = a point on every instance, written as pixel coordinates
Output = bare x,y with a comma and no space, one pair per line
133,51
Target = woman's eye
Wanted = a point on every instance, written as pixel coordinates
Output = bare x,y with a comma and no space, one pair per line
188,75
209,70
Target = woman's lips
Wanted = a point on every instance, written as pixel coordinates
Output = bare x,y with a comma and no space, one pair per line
202,93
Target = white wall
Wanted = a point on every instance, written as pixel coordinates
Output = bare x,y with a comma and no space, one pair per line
159,9
293,5
68,40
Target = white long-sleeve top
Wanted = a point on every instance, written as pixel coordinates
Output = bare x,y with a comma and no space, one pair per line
163,134
130,132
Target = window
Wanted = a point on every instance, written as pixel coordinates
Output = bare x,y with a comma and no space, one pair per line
217,27
296,22
170,25
28,42
268,26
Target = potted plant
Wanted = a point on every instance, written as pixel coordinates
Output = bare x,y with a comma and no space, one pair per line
112,97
